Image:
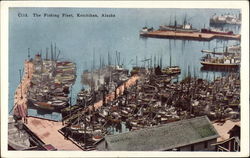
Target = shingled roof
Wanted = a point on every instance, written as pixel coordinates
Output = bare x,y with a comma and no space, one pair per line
164,137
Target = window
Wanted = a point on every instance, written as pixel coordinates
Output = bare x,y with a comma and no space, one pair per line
192,147
205,144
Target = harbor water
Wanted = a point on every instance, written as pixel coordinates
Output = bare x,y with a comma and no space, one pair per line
84,40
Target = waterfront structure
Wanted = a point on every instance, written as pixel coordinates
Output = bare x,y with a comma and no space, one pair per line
20,137
232,143
196,134
200,36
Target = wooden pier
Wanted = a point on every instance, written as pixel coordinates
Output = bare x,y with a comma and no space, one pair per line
110,97
20,98
189,35
47,131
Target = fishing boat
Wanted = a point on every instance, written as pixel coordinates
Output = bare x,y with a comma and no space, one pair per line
136,70
171,70
44,105
51,81
222,62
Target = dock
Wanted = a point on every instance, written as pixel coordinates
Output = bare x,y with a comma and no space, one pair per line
20,98
110,97
223,128
47,131
189,35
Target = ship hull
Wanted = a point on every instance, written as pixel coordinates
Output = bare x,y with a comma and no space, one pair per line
219,65
215,32
45,106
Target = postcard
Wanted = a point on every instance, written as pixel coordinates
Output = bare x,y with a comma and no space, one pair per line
125,79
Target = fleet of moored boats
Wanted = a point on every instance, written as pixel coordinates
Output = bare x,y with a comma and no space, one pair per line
155,99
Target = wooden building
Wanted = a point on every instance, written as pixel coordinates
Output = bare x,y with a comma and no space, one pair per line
196,134
232,143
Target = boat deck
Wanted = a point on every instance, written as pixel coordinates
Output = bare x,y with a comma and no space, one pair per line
189,35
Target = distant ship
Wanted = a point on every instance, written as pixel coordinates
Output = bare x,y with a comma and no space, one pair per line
185,27
179,28
225,19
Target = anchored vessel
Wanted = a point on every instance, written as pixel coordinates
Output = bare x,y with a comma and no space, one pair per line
185,27
225,60
225,19
51,82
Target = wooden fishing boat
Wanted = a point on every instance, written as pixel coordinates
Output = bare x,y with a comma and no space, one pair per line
172,70
220,62
219,65
44,105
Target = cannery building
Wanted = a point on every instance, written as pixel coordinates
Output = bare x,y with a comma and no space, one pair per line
196,134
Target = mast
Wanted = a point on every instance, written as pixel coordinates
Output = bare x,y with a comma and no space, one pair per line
136,61
47,49
51,49
170,57
185,20
85,126
154,61
161,61
175,22
100,62
151,62
170,20
55,51
108,59
28,53
93,59
58,55
41,53
20,82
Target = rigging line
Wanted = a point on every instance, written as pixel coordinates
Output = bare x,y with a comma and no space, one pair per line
11,109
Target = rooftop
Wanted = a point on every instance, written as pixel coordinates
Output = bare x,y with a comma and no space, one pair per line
223,128
164,137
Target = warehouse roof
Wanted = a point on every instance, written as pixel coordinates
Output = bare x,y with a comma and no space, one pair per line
164,137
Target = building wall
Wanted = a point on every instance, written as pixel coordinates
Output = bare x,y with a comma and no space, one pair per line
200,146
197,147
101,146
